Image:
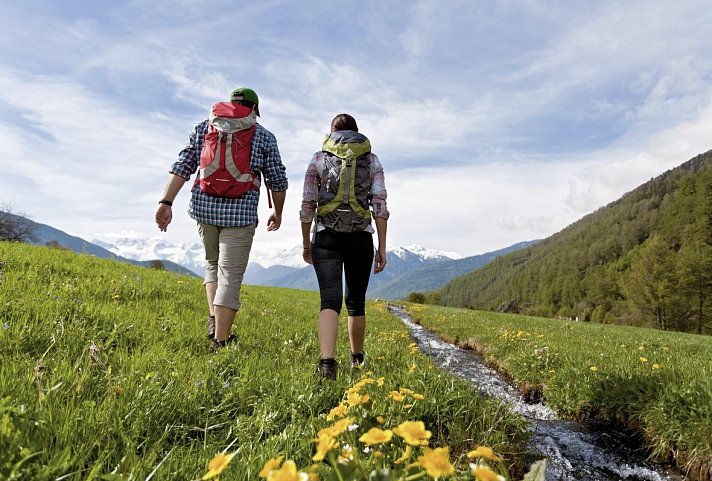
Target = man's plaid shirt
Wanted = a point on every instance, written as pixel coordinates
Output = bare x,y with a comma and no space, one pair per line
264,160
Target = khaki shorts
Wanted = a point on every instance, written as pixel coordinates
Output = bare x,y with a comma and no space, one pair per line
227,250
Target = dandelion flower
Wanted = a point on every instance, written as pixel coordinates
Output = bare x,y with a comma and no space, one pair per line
593,368
484,473
380,420
656,366
417,396
484,452
218,464
436,462
270,465
643,359
413,433
376,436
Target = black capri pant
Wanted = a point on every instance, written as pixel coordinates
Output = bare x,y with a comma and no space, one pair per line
347,255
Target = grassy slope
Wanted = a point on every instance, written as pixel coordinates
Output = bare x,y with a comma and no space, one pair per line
104,369
658,383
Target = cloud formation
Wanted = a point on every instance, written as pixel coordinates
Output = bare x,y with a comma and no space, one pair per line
497,122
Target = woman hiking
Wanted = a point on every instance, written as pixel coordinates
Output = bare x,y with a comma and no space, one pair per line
344,190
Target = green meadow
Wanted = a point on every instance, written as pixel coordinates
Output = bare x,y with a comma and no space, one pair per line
655,383
105,375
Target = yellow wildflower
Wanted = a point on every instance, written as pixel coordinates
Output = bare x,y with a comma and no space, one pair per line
380,381
417,396
313,473
337,428
356,399
218,464
396,396
376,436
270,465
643,359
656,366
337,412
380,420
406,455
405,390
346,454
288,472
411,369
413,433
324,445
436,462
484,452
593,368
484,473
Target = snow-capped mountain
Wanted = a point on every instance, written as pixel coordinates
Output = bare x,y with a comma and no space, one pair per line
189,255
428,254
410,268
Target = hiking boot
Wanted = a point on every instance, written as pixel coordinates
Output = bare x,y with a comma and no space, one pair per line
356,360
215,344
211,328
327,368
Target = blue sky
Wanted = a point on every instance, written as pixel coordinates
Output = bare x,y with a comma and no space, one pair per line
496,121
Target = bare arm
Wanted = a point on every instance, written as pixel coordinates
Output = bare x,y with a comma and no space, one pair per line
306,242
164,213
275,220
380,258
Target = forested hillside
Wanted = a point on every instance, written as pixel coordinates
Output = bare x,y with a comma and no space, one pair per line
645,260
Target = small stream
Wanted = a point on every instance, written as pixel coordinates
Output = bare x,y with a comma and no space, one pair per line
575,452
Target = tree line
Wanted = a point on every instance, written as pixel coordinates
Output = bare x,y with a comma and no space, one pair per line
643,260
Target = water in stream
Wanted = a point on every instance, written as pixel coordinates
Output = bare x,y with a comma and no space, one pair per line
575,452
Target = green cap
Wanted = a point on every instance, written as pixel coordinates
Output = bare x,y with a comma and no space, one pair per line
246,94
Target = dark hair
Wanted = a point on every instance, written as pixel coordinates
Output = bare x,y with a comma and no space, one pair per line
344,122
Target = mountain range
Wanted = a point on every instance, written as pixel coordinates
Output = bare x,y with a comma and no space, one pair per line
410,269
43,234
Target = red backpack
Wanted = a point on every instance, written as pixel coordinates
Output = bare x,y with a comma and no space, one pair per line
225,159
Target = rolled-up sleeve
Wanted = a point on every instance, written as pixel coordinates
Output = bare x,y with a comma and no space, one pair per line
273,169
379,205
189,157
310,193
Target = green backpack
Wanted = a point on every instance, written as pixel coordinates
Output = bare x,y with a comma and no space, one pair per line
345,191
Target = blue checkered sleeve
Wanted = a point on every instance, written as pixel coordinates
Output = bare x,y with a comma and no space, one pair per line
223,212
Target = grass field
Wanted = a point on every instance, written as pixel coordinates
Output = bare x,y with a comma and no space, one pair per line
656,383
105,374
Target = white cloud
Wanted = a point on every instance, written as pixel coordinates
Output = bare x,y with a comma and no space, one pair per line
514,119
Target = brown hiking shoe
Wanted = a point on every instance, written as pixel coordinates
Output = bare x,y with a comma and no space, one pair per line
211,328
215,344
327,369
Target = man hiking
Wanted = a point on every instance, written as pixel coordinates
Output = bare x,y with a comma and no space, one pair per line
231,152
